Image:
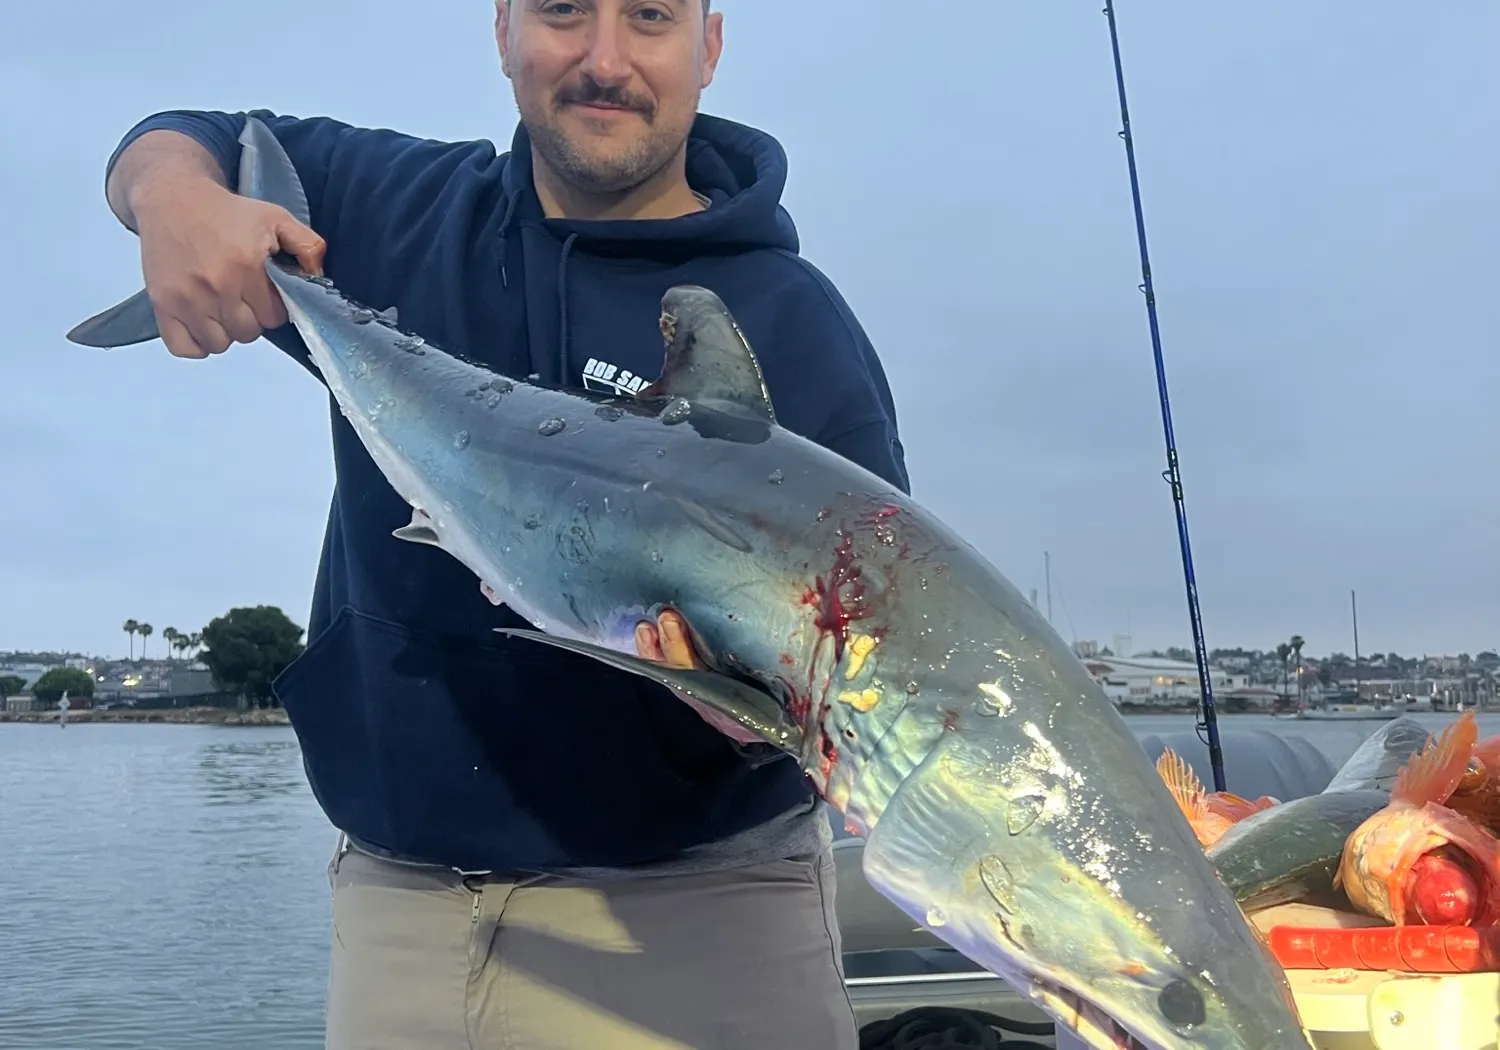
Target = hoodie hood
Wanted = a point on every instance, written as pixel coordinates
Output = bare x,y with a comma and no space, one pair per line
740,170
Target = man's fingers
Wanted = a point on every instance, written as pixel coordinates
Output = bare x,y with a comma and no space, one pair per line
647,643
302,242
240,323
266,303
209,334
676,643
180,342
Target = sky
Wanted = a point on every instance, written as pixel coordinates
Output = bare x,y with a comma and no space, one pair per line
1319,183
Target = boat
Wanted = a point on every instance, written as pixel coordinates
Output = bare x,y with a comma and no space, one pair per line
908,988
1353,712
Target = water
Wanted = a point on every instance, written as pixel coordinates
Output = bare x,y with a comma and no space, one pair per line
161,887
165,887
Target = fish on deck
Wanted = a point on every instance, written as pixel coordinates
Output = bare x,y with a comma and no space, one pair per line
1416,861
1291,852
1210,813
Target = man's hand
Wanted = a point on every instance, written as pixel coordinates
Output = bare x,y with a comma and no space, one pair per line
668,642
203,253
203,247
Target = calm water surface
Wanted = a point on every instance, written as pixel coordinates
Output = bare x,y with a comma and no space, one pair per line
164,887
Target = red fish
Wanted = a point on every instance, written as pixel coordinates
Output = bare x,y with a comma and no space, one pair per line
1210,814
1478,793
1417,861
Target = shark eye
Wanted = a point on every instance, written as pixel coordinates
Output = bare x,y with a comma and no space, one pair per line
1181,1004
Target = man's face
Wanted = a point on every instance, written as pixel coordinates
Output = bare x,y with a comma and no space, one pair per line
608,89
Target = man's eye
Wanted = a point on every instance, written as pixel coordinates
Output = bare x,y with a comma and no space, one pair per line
562,9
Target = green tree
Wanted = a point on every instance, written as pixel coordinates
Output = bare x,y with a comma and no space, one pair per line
145,630
130,628
1284,651
10,685
171,635
51,686
248,647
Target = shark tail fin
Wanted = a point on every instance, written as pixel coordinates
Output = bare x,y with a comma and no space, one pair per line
266,173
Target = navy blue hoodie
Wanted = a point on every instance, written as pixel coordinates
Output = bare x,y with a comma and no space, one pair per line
423,733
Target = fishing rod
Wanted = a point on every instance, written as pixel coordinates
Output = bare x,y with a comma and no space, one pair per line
1208,722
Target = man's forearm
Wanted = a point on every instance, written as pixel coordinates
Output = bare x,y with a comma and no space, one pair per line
152,164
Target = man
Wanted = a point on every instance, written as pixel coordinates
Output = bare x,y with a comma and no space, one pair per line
537,850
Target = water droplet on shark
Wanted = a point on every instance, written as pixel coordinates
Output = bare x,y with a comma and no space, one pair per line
609,413
935,917
551,427
361,315
461,439
777,477
676,412
998,882
1023,813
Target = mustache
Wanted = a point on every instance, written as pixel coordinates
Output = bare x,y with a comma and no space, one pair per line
589,91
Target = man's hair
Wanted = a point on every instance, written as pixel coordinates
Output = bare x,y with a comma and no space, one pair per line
706,4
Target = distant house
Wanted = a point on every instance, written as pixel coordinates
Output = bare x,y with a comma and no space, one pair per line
1150,679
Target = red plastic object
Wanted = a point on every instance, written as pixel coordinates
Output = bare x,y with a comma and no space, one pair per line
1409,949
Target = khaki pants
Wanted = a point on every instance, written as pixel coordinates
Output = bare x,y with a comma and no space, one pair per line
738,960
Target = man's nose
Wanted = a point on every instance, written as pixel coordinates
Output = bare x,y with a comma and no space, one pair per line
608,59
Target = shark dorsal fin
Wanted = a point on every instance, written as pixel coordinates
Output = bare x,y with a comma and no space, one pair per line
708,358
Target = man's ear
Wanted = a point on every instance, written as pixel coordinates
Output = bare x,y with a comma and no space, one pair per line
713,46
502,34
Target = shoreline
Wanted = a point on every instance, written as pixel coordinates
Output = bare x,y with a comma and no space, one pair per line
275,716
196,716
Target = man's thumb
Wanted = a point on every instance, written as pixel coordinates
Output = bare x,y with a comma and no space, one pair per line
302,242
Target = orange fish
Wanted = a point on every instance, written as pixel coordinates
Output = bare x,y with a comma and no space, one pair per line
1210,813
1478,793
1417,861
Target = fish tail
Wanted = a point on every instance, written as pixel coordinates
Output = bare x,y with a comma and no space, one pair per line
1183,783
265,174
1433,773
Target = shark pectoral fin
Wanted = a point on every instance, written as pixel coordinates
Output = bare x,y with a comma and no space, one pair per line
415,533
128,322
738,701
708,358
419,530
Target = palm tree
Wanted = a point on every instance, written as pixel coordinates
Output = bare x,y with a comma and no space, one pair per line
171,635
195,641
1283,650
130,628
1296,644
145,630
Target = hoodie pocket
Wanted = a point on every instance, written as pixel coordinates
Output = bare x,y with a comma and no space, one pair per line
507,755
386,716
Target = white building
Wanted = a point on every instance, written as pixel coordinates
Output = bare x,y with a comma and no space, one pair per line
1150,679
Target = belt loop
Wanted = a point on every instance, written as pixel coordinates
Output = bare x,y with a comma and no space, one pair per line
341,848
